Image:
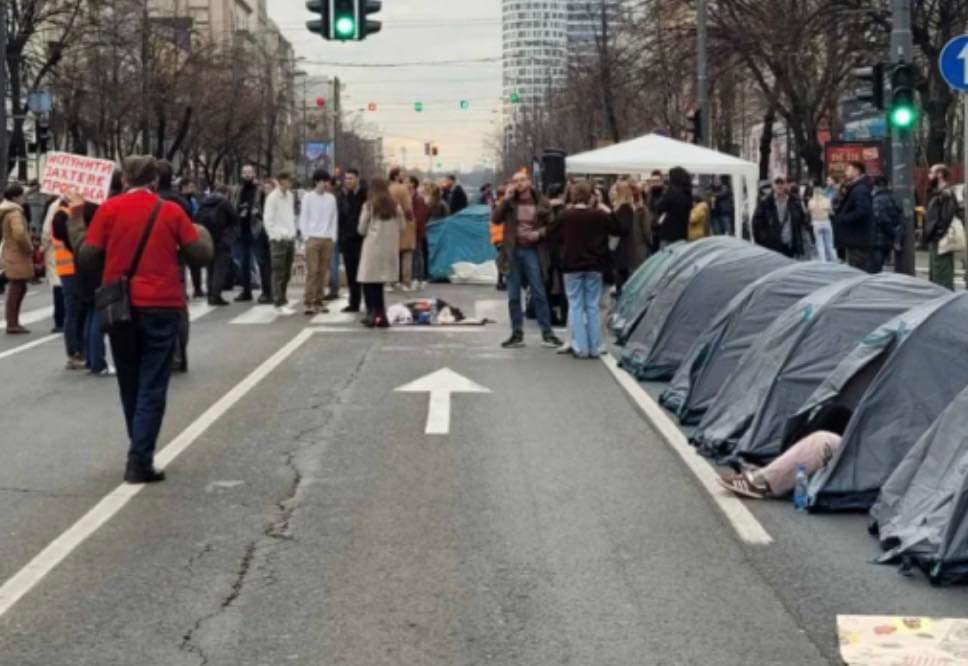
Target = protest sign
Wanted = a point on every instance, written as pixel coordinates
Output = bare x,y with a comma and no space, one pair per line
65,172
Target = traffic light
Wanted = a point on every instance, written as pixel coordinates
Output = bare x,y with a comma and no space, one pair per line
321,25
43,135
869,85
344,20
369,27
903,114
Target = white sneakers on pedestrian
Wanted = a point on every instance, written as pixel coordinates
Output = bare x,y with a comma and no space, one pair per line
285,311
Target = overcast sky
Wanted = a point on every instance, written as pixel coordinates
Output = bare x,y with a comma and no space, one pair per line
416,31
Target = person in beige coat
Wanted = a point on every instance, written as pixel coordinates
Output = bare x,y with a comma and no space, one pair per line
408,234
18,255
381,223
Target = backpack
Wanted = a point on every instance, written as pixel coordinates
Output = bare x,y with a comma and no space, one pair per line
888,220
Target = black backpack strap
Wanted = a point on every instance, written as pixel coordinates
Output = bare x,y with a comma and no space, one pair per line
144,240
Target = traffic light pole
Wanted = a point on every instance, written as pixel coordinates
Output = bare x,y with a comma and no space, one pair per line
902,140
705,111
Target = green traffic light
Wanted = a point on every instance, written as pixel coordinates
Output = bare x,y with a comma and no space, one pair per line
345,26
903,117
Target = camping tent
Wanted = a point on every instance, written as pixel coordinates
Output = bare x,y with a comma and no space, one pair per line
897,382
716,353
922,513
682,257
655,152
792,357
636,288
682,310
461,238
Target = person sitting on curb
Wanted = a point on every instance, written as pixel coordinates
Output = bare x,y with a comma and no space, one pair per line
813,453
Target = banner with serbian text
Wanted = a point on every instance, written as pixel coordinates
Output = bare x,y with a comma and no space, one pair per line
90,176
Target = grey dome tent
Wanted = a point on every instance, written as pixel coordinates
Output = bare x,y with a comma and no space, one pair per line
716,354
922,513
681,312
793,357
682,256
897,382
639,287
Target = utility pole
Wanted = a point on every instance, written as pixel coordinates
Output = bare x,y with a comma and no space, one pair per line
337,118
902,140
705,111
4,142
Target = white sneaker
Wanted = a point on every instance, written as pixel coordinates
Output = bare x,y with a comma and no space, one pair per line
285,311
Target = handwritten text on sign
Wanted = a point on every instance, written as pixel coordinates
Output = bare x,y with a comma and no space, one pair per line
88,175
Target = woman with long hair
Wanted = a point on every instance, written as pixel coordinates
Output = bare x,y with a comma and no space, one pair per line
633,248
381,224
400,192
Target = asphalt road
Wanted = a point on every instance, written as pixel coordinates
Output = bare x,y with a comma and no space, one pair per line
315,522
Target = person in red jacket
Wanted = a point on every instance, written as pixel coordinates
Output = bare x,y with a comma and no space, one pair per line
143,350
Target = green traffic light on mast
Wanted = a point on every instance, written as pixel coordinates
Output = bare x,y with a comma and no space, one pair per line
345,27
903,117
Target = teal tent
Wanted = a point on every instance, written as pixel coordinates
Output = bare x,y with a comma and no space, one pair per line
464,237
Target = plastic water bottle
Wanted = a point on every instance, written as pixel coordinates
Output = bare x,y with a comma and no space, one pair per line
801,489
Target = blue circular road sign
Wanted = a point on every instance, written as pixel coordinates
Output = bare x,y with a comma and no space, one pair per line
954,63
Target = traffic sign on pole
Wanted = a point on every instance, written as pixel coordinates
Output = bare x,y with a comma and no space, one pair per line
954,63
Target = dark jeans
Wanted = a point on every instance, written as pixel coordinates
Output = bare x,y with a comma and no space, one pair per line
218,273
73,316
259,248
196,280
876,259
375,303
59,307
526,271
351,251
858,258
143,354
334,270
95,352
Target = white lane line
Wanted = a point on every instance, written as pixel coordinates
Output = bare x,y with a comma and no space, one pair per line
33,316
258,314
492,309
30,345
746,525
44,562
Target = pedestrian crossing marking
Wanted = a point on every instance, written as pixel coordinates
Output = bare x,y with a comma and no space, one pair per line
258,314
335,316
32,316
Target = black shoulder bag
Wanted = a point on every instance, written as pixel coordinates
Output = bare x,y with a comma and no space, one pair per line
113,301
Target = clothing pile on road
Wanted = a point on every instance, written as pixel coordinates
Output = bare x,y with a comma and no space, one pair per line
759,350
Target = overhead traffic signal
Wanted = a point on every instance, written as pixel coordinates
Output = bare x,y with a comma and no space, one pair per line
903,114
869,85
344,20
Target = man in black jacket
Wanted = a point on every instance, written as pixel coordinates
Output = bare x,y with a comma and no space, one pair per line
247,202
854,218
351,198
218,216
166,178
455,196
780,221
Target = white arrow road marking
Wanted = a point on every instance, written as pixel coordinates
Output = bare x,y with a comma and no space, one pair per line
441,385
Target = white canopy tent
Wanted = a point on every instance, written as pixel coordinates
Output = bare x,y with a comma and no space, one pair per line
655,152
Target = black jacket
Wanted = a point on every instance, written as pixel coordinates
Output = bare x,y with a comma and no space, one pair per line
854,218
175,197
674,209
219,217
942,209
768,228
457,199
585,233
350,208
